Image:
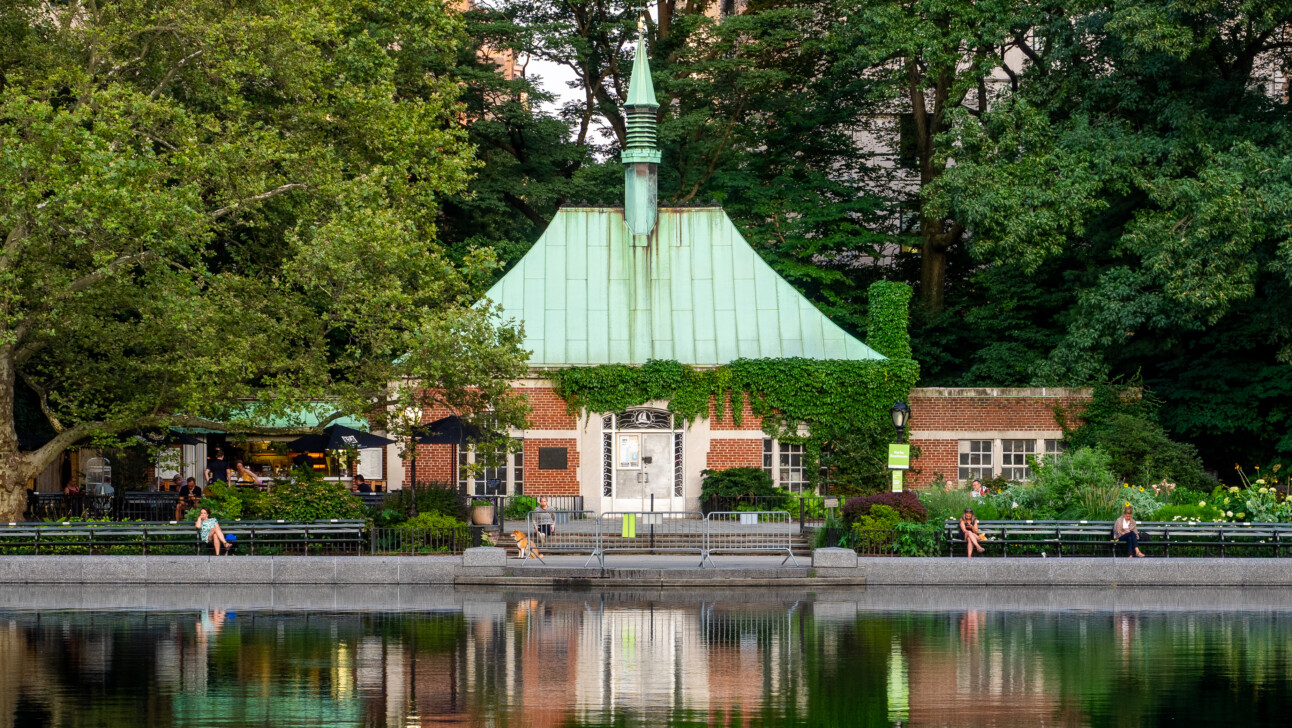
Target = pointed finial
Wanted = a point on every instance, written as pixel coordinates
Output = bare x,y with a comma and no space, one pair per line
641,90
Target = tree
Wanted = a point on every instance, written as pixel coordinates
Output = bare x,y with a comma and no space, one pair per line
1144,154
213,212
934,60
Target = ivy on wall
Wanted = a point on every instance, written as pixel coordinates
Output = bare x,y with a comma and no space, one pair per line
839,406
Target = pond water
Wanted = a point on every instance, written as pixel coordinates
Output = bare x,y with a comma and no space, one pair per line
561,659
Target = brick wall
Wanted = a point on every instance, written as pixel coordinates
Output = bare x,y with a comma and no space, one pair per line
937,457
975,410
551,482
747,419
941,417
548,411
733,453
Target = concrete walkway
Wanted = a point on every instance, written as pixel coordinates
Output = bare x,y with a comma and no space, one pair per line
491,567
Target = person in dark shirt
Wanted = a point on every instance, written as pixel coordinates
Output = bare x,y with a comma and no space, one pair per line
189,495
361,485
217,470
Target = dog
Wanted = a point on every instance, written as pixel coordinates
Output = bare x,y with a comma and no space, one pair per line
524,546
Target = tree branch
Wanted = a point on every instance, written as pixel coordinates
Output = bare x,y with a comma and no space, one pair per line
171,74
258,198
44,401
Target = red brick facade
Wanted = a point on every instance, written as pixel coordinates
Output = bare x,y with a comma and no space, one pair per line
747,419
941,418
551,482
734,453
548,411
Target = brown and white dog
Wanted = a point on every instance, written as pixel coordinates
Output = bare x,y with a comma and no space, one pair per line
523,545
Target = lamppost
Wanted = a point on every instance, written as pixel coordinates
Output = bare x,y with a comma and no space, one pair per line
900,413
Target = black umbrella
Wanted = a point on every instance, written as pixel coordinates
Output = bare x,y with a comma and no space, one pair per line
451,430
338,437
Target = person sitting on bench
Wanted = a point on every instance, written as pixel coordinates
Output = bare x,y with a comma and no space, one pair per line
1125,529
209,531
970,533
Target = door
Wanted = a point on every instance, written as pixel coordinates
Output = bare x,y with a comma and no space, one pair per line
643,468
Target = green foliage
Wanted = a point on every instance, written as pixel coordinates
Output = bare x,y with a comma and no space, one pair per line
737,483
843,404
1122,424
442,498
906,504
435,521
231,503
518,507
880,518
1190,513
887,330
308,497
206,203
917,539
942,504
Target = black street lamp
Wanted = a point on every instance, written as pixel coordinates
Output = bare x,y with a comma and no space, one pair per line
900,413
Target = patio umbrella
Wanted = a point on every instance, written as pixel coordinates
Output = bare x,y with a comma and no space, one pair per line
451,430
338,437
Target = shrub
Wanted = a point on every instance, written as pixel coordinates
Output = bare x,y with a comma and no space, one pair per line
737,483
518,507
307,497
916,539
1191,513
231,503
906,503
432,520
942,504
880,518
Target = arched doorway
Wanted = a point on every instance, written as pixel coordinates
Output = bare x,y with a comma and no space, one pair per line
641,461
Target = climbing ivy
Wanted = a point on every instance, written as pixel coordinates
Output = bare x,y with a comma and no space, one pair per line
835,406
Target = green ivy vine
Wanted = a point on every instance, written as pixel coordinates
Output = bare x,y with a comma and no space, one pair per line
841,405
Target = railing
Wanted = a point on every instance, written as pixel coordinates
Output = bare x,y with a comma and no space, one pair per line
123,506
1061,538
562,531
653,532
584,532
808,510
404,541
728,531
502,504
251,537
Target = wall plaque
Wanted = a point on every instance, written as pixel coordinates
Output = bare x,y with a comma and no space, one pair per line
553,458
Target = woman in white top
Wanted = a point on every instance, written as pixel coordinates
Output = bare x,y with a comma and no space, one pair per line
1125,529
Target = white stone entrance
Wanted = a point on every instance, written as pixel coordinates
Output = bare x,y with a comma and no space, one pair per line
641,461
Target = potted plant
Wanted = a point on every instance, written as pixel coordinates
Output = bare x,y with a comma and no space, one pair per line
482,511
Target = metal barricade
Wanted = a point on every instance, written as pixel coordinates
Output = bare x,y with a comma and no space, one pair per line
652,532
568,532
749,531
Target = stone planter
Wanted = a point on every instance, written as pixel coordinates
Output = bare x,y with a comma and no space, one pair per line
482,515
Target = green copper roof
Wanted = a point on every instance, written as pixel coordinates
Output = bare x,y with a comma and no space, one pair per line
641,90
696,293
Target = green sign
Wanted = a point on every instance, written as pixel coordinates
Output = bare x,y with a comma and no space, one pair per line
899,457
897,481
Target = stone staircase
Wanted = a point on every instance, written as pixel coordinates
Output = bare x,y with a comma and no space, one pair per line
799,542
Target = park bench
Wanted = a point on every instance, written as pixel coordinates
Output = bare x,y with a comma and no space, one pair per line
331,535
1096,537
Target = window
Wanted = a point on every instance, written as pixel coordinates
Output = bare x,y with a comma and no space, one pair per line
504,478
908,152
1014,455
784,463
976,459
1054,447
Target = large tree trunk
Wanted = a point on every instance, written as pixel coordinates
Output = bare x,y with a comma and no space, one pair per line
933,274
14,466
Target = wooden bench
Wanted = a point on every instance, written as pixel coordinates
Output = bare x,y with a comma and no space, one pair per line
332,535
1075,536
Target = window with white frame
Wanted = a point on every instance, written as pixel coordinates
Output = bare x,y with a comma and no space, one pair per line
976,459
505,476
1054,447
784,462
1014,456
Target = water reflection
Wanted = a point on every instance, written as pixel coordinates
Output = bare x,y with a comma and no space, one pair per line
562,660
